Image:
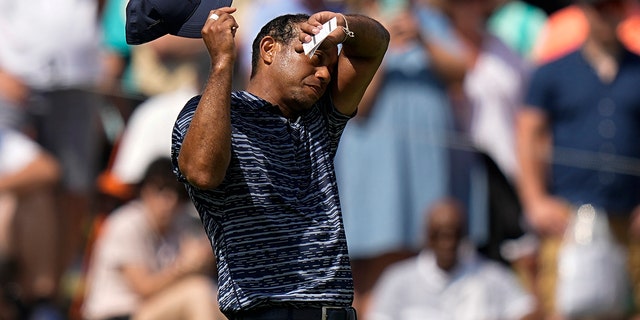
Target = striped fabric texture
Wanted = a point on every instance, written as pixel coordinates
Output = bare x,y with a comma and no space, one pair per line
275,222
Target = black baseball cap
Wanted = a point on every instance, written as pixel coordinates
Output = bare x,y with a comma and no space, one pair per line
150,19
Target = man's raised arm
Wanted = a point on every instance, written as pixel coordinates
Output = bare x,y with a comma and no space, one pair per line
364,43
206,149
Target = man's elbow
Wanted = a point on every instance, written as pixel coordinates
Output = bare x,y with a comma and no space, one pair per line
384,37
205,182
203,176
375,50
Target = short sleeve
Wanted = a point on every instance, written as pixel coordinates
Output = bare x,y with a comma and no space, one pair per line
336,123
179,131
538,91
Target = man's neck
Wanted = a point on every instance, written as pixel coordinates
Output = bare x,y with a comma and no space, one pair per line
269,92
603,57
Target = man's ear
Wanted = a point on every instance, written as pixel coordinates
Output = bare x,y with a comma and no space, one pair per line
267,49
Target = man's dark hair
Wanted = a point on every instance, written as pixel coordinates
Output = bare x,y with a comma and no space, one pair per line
159,174
283,29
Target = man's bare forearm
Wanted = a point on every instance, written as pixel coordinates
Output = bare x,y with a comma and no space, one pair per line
370,39
206,149
532,142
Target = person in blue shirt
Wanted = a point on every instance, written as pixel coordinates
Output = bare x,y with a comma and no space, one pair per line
258,164
577,142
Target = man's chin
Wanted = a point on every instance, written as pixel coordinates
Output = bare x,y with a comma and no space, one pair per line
446,263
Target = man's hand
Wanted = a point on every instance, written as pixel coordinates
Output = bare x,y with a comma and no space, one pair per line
206,150
549,215
314,25
364,43
219,33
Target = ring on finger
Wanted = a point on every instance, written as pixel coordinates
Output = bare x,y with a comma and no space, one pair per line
214,16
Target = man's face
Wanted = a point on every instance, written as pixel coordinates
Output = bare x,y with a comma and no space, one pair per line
163,204
604,18
444,243
444,236
303,80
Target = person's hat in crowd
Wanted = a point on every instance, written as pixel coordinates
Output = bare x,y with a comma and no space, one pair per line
150,19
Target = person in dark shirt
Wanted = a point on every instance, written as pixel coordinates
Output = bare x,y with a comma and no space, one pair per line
258,164
577,142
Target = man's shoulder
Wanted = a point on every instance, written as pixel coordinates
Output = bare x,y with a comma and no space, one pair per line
559,71
558,63
189,107
193,102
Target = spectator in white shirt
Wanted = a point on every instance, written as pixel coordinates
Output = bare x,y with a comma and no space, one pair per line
448,280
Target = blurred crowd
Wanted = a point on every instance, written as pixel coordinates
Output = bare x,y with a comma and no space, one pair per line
493,130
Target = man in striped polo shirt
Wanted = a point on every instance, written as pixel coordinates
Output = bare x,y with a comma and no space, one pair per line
258,164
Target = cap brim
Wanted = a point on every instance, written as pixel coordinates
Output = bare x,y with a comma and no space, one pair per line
192,28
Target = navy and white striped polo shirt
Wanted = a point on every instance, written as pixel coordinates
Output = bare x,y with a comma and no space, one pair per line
275,222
